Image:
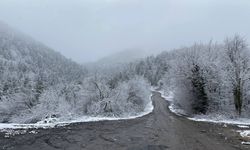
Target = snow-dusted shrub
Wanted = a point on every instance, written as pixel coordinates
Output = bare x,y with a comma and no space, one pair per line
133,96
12,105
49,104
91,98
128,98
58,103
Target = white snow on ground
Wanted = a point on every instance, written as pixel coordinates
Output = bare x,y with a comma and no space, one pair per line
13,132
241,122
169,96
245,143
177,111
243,126
245,133
221,119
5,127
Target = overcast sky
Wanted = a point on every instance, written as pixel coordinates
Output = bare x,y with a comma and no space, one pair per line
86,30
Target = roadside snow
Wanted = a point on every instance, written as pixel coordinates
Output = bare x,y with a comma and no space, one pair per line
245,143
11,132
245,133
4,126
241,122
169,96
51,124
177,111
221,119
243,126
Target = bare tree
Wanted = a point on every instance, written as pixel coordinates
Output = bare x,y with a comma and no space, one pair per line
236,50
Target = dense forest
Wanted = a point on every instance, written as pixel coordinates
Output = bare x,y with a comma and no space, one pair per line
37,83
205,78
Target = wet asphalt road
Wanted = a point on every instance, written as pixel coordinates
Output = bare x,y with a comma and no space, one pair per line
160,130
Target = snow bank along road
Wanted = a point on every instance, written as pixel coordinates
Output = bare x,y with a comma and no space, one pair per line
159,130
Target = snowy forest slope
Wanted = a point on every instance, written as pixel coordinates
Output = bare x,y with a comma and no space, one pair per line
27,68
206,79
38,84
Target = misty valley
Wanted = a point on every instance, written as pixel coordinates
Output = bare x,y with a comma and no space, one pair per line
40,86
147,97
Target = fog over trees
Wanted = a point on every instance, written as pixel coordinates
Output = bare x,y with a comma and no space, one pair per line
210,78
38,84
207,78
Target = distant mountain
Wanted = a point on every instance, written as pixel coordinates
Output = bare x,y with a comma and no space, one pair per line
125,56
115,62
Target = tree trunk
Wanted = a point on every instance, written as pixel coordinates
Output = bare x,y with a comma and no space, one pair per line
238,99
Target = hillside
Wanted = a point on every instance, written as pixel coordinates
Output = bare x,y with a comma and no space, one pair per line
21,55
39,85
27,68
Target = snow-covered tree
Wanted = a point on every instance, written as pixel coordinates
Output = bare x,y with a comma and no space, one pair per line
238,68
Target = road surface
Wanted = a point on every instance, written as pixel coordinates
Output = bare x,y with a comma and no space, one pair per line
160,130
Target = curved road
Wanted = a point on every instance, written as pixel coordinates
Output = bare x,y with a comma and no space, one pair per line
159,130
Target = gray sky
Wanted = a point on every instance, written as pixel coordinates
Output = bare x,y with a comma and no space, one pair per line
86,30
